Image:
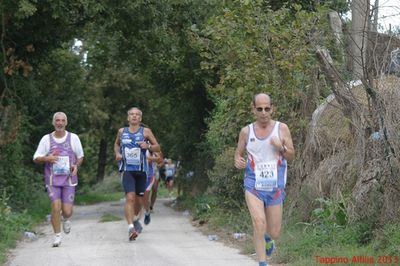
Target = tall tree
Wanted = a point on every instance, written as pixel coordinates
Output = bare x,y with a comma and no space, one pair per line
359,36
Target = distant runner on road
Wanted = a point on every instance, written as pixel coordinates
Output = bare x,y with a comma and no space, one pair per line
158,165
170,172
152,158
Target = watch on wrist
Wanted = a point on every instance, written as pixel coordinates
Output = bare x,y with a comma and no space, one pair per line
283,149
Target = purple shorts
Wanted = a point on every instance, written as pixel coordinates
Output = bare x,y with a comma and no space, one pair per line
66,193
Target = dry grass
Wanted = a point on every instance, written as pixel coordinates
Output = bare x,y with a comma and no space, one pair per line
340,160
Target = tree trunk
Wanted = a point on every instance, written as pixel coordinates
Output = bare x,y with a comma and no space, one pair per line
359,34
102,160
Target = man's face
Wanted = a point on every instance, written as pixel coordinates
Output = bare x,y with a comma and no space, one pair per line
134,116
60,122
263,109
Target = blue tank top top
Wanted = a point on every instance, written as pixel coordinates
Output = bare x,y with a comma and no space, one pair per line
133,157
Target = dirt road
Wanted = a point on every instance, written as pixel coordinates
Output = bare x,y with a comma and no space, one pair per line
169,240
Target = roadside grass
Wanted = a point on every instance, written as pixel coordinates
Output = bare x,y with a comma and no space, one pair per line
93,197
14,224
109,218
301,244
212,219
110,189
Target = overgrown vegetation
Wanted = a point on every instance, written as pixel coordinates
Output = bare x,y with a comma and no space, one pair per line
13,223
327,235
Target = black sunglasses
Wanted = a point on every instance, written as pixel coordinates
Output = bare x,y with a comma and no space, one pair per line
266,109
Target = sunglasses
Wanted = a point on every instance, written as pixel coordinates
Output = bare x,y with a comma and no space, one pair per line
266,109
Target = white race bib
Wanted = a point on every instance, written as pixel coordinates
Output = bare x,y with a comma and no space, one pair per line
169,172
266,176
132,156
61,166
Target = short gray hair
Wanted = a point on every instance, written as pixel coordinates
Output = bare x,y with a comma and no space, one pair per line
60,113
135,108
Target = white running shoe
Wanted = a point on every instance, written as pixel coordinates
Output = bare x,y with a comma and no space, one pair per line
57,241
67,226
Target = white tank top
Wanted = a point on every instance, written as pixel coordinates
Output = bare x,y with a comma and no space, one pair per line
265,165
262,149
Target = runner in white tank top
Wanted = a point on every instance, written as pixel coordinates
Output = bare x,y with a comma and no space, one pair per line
268,145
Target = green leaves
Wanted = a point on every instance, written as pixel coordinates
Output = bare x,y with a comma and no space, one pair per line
25,9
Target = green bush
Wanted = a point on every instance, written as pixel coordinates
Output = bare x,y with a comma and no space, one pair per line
13,224
227,181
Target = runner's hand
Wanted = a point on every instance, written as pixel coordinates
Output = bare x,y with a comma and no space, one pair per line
276,142
51,158
240,163
74,170
143,145
118,157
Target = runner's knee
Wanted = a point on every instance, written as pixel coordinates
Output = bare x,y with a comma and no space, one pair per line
259,224
275,233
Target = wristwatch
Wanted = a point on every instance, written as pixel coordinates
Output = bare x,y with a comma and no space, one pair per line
283,149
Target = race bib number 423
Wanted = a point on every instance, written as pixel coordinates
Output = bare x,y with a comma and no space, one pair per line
266,176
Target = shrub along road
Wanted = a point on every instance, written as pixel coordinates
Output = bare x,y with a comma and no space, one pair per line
169,239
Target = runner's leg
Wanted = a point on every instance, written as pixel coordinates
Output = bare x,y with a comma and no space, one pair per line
256,209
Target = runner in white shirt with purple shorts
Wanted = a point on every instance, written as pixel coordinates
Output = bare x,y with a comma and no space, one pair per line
62,154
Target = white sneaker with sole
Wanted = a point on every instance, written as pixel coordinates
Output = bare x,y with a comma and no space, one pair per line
67,226
57,241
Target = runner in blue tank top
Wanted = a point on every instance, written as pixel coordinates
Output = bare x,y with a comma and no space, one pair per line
268,145
130,148
157,176
152,158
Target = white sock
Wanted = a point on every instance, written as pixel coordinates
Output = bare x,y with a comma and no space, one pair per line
130,226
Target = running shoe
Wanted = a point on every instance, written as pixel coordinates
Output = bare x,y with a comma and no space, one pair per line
132,234
57,241
269,245
66,226
147,219
138,226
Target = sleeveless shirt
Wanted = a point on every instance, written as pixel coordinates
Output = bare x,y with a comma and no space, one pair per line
59,173
266,168
133,157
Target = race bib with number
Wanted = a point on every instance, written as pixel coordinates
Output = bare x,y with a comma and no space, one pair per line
61,166
132,156
169,172
266,176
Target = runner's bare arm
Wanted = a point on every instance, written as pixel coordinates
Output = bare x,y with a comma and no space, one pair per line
117,145
240,161
154,146
76,166
287,142
51,158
